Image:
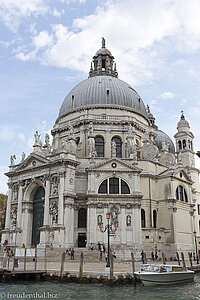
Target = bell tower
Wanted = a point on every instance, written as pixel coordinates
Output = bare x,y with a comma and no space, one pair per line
184,143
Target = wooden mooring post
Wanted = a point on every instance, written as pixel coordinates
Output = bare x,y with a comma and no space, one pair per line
81,266
190,259
25,259
178,258
145,258
62,266
163,258
133,266
35,258
183,260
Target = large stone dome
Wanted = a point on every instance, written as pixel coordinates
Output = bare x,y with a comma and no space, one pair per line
101,91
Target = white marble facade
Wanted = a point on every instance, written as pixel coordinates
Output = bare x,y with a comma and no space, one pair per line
106,157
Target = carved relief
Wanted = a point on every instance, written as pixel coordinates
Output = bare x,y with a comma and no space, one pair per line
167,159
149,152
15,193
53,210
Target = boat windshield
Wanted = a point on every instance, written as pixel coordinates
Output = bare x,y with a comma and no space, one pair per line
177,269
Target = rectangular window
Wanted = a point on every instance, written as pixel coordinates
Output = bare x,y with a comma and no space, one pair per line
114,185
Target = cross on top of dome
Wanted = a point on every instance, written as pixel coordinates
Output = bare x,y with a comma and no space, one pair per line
103,62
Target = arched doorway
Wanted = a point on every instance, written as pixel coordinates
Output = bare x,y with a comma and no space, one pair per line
82,224
38,215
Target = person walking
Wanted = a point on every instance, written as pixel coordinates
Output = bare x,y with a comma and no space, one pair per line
152,256
72,254
100,255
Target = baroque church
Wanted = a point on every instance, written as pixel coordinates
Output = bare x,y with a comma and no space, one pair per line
107,155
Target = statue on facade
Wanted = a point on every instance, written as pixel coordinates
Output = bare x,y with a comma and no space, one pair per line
23,156
54,213
113,149
71,130
130,130
91,129
165,147
12,160
128,220
37,138
103,42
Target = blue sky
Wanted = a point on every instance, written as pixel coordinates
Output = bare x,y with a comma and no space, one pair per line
46,47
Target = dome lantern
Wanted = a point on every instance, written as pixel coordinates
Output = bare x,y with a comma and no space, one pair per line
103,62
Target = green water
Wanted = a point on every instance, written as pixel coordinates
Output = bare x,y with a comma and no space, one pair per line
72,291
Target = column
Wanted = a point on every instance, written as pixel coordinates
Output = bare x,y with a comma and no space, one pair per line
138,229
93,223
7,223
123,224
61,199
46,203
19,207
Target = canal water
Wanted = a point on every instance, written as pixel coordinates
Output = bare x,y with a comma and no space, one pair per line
73,291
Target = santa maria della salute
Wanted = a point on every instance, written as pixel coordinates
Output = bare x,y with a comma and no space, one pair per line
107,155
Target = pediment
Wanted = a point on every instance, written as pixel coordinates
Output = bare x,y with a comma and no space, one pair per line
178,173
32,161
114,164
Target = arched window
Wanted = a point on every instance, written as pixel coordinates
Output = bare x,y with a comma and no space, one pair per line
114,185
154,218
103,189
181,194
82,218
184,144
189,144
99,146
143,221
124,188
179,145
118,146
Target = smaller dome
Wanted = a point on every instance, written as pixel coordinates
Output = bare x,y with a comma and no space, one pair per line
103,51
163,136
183,122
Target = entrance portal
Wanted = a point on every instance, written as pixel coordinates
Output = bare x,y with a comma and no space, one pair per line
38,215
82,240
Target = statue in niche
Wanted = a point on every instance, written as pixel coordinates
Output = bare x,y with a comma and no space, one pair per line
113,149
114,213
12,160
13,217
128,220
54,212
54,185
91,147
99,219
131,148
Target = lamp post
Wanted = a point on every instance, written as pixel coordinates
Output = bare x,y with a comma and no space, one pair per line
111,227
195,240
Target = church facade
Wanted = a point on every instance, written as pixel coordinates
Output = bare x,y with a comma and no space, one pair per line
107,155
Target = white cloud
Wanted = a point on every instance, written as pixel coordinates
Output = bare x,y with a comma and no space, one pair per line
12,12
136,32
21,137
167,95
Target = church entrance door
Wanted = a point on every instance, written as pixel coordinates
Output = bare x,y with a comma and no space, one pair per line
82,240
38,215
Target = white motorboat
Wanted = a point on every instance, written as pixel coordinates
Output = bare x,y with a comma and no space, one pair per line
164,274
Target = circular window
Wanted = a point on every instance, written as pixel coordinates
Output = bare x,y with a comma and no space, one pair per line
114,165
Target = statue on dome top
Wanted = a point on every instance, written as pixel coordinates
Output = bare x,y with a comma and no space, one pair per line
103,42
